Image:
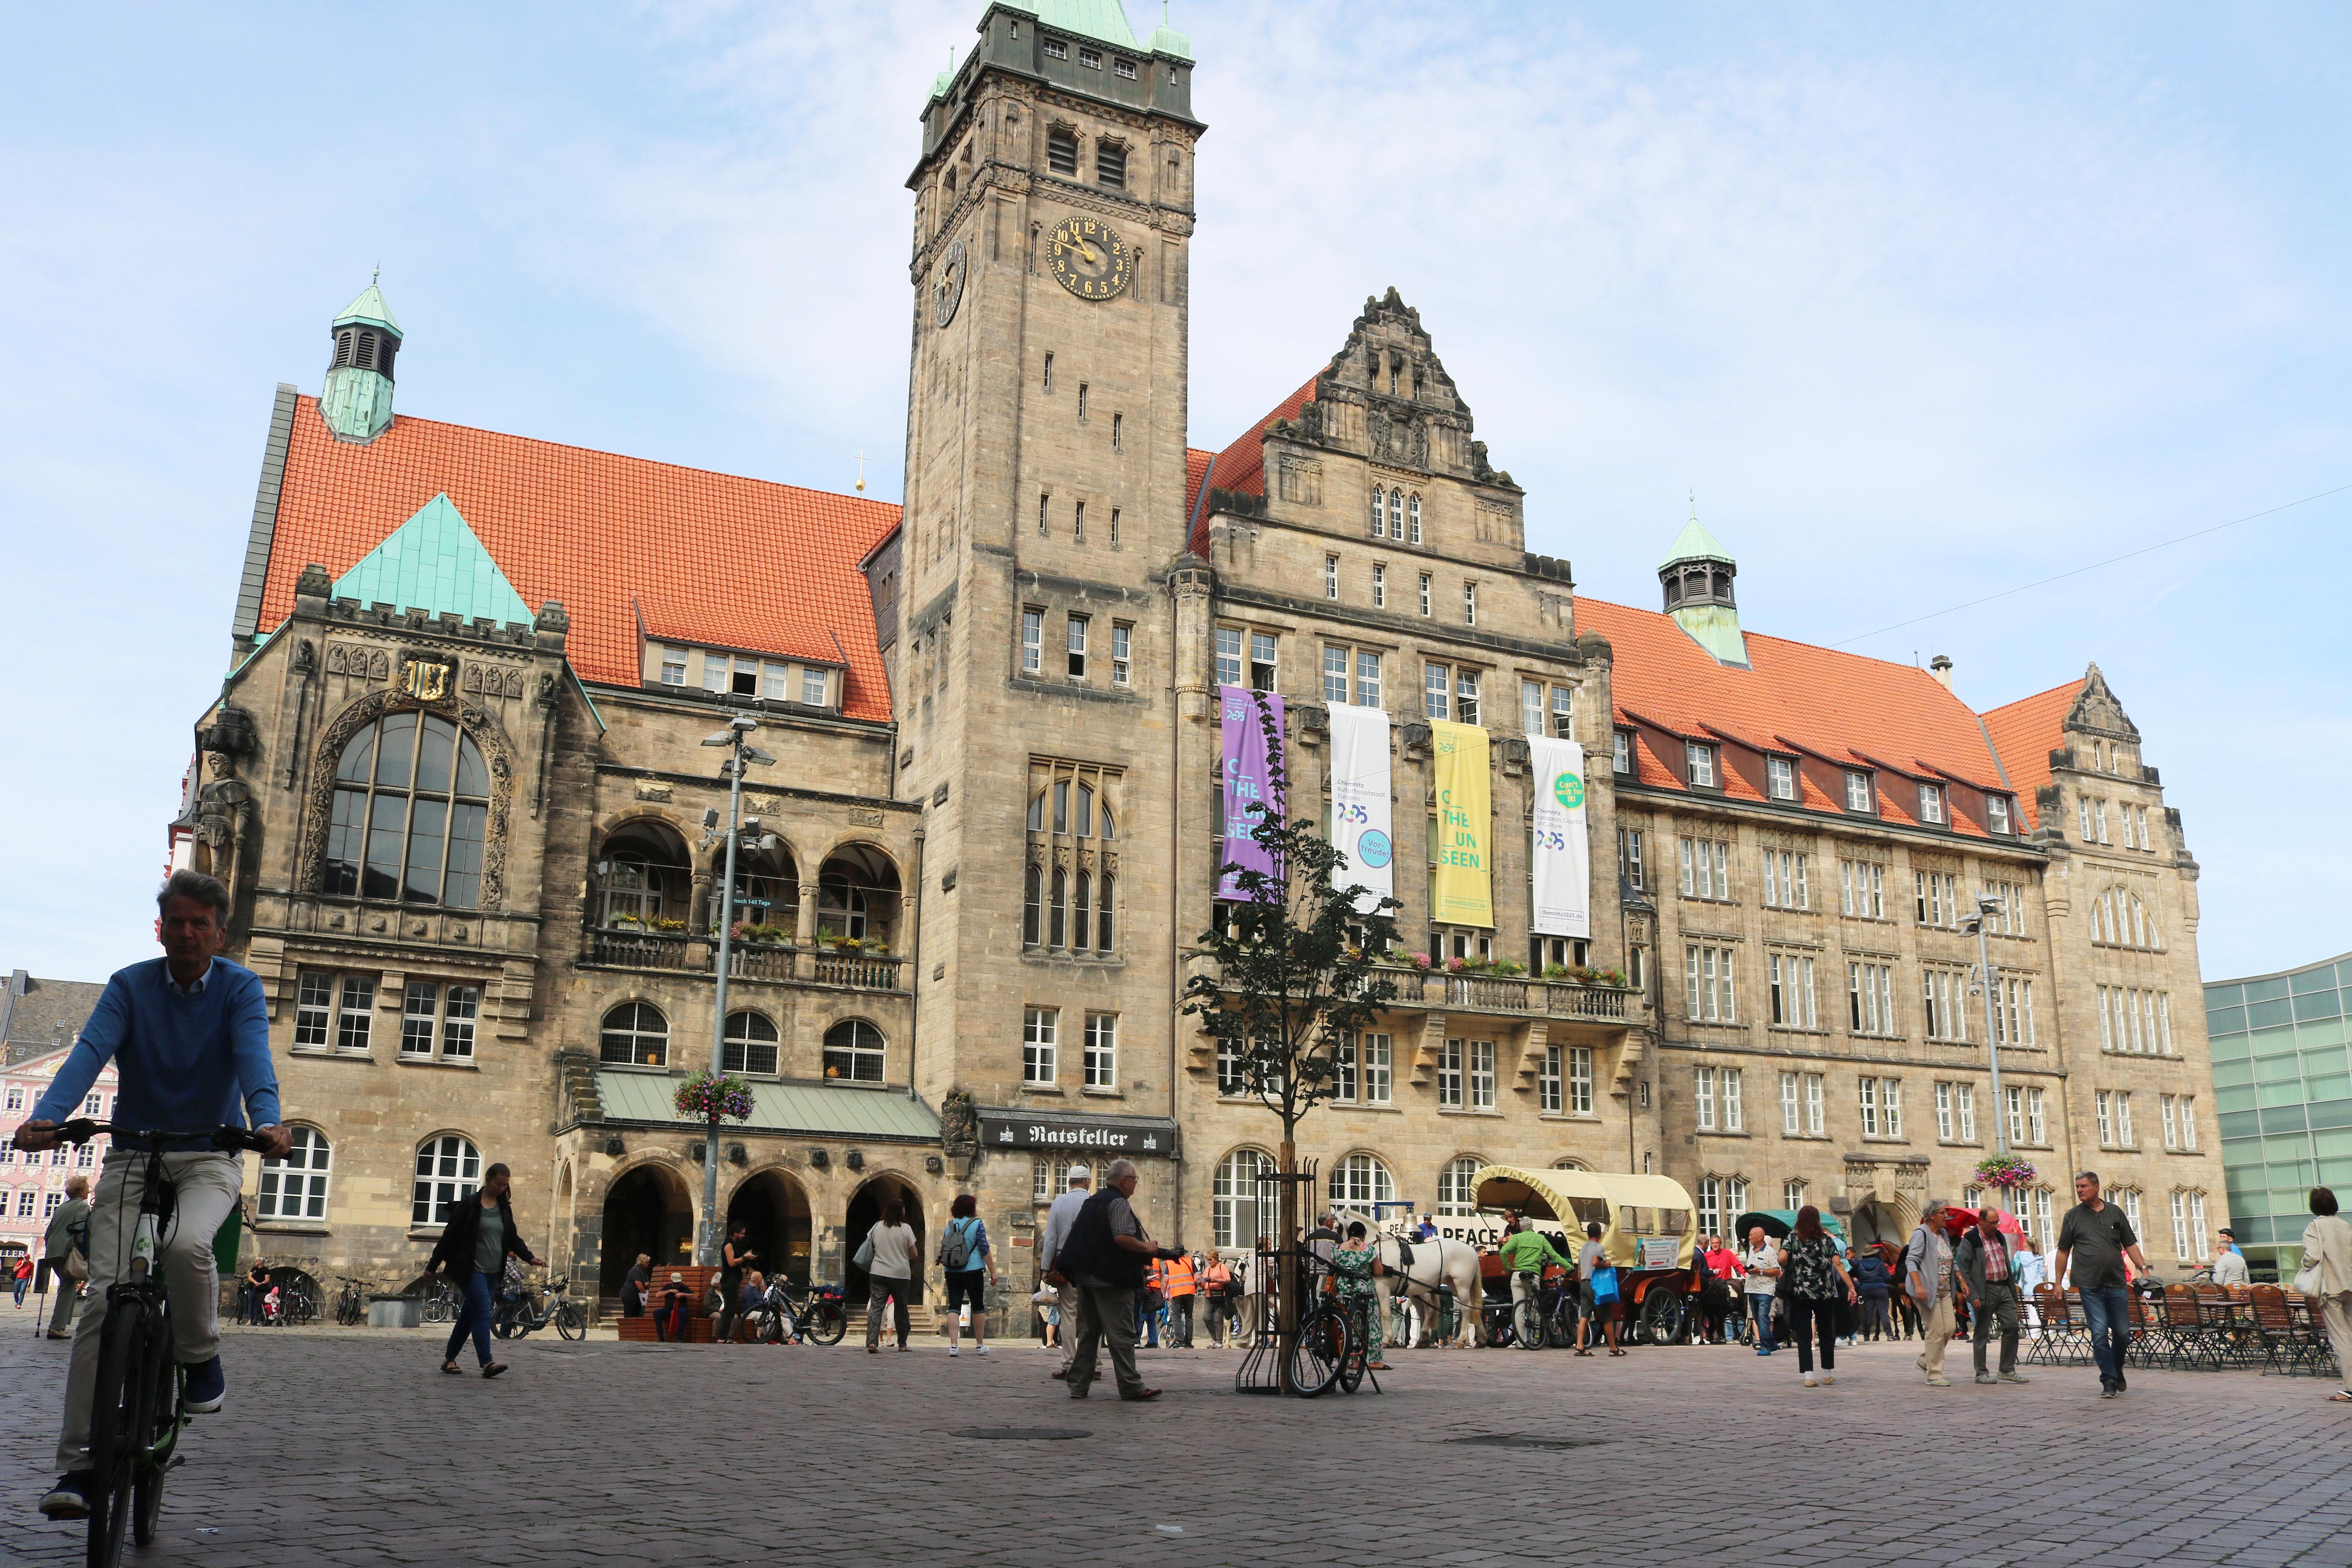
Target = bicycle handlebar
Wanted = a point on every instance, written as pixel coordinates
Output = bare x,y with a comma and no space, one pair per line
82,1128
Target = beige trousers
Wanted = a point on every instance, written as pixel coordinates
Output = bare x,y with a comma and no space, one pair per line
1936,1325
2336,1312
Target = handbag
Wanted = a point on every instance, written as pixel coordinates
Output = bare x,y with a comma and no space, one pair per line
1604,1287
863,1256
2307,1279
76,1268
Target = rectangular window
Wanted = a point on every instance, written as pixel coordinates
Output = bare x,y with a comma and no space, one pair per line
2166,1106
1102,1050
1033,641
420,1014
1331,577
1117,428
1870,998
1701,764
1708,977
1424,593
1705,1093
1870,1108
715,671
314,1003
1335,675
1114,528
1531,706
1091,59
1814,1104
1469,603
460,1005
1367,679
1862,888
1548,1082
352,1021
1078,511
814,684
1944,1111
2013,1012
1629,857
1787,885
1039,1026
1792,1115
1122,642
1231,1079
1261,667
1997,813
1045,514
1057,51
673,667
1563,712
1465,697
1859,796
1931,804
2189,1121
1375,1052
1449,1075
1379,588
1621,756
1482,1075
2099,815
1968,1101
1890,1105
1735,1118
1706,868
1077,647
2106,1102
1938,896
1437,691
1781,778
1229,656
2083,810
1791,984
1580,1080
2123,1118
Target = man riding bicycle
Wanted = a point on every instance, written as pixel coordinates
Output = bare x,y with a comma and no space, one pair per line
189,1035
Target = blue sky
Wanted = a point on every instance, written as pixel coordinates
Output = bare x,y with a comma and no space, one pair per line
1922,307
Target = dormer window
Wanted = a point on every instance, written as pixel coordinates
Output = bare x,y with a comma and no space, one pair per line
1780,777
1124,68
1859,794
673,667
1701,764
1090,59
1931,804
1622,757
1997,817
1055,49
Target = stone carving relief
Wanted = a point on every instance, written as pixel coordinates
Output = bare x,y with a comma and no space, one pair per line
1395,437
959,1124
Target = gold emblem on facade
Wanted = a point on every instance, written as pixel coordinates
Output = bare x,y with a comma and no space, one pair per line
427,680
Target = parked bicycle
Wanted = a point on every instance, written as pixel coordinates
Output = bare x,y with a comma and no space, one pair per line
137,1404
442,1302
351,1302
521,1314
816,1311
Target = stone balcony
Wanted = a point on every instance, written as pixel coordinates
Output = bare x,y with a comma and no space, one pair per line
680,952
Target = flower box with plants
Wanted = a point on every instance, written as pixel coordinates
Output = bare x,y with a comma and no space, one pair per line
2006,1171
772,936
702,1098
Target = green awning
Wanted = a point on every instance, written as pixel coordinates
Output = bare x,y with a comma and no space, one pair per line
820,1110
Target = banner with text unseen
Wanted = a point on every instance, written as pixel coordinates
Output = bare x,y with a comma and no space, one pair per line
1359,802
1247,776
1462,892
1562,859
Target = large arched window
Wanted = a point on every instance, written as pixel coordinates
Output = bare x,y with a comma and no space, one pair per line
449,1170
1234,1217
1458,1187
2119,919
1359,1181
1033,907
1075,812
637,1035
412,804
751,1043
296,1186
854,1051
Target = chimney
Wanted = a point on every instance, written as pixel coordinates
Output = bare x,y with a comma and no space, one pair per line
1940,667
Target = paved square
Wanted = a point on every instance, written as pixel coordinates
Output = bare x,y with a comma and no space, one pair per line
349,1447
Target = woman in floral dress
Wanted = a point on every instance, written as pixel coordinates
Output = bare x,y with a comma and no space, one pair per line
1817,1283
1353,1266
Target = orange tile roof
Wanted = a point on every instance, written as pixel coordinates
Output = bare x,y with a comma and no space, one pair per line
1241,466
615,540
2026,732
1197,464
1793,698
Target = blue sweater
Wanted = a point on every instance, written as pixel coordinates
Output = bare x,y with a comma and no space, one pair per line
182,1061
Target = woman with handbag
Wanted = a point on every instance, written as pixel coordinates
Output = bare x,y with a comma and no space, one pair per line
1813,1270
2325,1280
888,1256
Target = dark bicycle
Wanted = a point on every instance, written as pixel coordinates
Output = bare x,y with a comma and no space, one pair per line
137,1404
351,1302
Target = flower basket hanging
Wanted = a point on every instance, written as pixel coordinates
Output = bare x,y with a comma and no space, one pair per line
703,1098
2004,1171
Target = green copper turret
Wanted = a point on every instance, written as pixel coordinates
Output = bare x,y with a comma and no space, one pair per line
357,401
1697,574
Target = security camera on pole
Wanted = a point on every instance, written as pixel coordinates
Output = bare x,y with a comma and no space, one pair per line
742,752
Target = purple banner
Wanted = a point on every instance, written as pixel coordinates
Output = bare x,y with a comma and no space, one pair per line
1246,784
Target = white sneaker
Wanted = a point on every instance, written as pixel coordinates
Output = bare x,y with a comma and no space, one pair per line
1810,1381
980,1349
953,1351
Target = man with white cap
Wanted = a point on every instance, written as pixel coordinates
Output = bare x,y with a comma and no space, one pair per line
1057,1230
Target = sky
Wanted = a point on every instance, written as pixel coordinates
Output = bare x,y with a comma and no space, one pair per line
1922,305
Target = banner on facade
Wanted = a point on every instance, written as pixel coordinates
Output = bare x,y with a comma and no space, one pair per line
1562,858
1462,892
1247,780
1359,802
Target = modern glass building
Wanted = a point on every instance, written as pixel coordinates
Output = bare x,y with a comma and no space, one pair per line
2282,1091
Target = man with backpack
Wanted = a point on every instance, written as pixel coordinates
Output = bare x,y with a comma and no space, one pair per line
964,1255
1104,1256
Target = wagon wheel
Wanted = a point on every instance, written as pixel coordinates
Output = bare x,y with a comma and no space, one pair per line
1662,1315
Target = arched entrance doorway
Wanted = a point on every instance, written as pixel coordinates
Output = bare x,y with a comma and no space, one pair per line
865,1209
1874,1221
777,1211
647,1210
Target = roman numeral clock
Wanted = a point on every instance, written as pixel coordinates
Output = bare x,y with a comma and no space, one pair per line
1089,259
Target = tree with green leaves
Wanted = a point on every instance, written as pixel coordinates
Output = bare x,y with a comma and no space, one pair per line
1292,976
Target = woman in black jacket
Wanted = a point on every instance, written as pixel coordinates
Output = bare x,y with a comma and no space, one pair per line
474,1247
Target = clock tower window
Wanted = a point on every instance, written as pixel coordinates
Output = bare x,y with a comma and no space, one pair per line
1045,514
1078,522
1116,420
1110,165
1062,151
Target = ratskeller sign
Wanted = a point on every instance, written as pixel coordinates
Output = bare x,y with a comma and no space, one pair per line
1140,1136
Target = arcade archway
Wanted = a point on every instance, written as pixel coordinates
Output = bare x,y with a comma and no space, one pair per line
647,1210
777,1211
865,1210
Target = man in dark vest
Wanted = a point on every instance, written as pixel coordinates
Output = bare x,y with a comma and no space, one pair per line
1104,1257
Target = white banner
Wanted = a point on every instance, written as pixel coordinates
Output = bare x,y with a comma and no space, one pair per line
1359,800
1562,859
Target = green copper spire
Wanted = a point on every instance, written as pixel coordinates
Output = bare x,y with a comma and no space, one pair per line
1167,40
434,562
1101,19
357,400
1696,575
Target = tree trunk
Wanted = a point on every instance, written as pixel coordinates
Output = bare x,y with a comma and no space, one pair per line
1290,1275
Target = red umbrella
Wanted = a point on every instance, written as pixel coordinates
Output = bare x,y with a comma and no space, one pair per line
1957,1220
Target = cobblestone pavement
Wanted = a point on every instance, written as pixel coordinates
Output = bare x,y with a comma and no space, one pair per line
348,1447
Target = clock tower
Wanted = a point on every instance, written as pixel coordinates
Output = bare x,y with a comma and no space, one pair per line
1029,606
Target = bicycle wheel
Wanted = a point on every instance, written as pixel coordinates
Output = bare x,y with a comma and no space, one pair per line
1317,1354
571,1321
160,1429
117,1427
1527,1326
826,1322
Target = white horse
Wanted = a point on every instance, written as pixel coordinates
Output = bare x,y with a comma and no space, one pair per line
1435,1262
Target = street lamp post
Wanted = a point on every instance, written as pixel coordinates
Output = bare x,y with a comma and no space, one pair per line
1988,905
732,737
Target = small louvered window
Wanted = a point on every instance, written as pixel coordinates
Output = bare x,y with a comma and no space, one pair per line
1062,151
367,350
1110,165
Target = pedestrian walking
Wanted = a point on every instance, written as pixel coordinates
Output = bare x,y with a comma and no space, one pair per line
889,1257
965,1256
474,1247
2094,1240
249,1291
1928,1283
2033,1273
22,1276
2325,1278
734,1259
1103,1256
1179,1283
1596,1292
1762,1263
1872,1286
1986,1265
1818,1282
1219,1289
1058,1219
64,1249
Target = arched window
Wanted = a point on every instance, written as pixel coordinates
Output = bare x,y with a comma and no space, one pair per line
448,1169
1396,514
1032,906
841,905
1458,1187
1380,500
1057,910
1234,1218
296,1186
1106,892
1359,1181
853,1052
1412,509
412,803
637,1035
751,1043
1082,928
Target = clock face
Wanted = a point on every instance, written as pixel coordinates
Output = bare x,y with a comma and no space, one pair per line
947,285
1089,259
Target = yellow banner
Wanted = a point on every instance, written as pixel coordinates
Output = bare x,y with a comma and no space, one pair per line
1463,893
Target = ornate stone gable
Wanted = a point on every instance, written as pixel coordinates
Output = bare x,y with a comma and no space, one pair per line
2096,712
